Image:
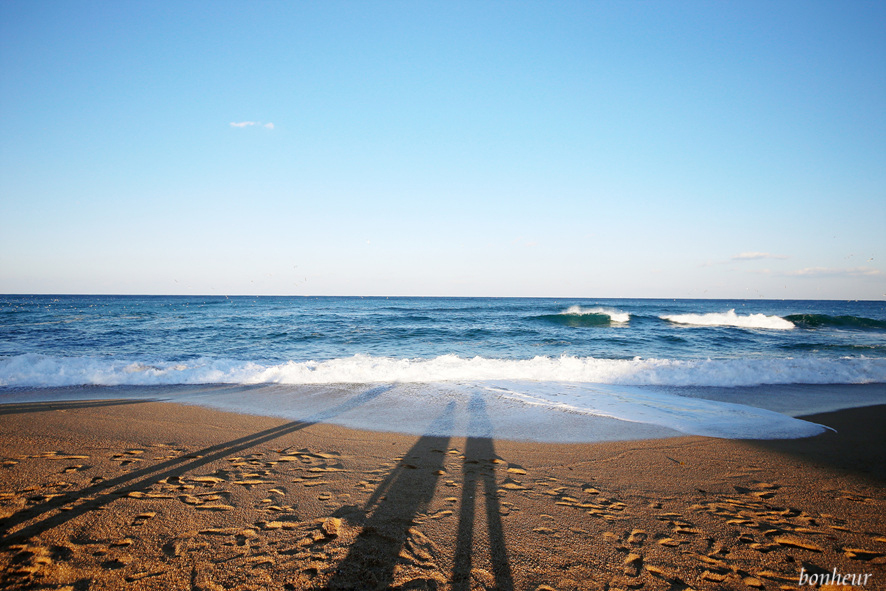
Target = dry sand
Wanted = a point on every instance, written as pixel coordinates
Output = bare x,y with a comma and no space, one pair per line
149,495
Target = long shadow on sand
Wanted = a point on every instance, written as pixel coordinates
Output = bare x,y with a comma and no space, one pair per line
79,502
407,490
479,472
26,407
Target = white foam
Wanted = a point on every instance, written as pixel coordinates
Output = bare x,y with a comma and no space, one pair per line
614,315
515,408
34,370
730,318
505,409
693,416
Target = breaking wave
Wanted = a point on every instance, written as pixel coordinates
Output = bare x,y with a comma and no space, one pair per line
579,317
33,370
730,318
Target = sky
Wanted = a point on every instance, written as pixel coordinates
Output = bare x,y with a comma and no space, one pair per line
565,149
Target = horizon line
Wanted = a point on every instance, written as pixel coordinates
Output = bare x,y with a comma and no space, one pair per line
246,295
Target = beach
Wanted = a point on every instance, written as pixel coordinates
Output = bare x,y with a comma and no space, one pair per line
135,494
451,296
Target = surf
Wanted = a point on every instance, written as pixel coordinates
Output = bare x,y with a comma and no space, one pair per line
730,318
43,371
576,316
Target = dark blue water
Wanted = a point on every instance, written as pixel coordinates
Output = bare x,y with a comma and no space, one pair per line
272,330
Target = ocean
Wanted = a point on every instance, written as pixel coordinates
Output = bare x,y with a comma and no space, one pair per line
572,369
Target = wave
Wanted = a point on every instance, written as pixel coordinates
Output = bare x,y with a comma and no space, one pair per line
577,316
33,370
730,318
826,321
693,416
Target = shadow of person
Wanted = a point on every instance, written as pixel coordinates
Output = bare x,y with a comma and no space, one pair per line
479,469
29,407
68,506
406,491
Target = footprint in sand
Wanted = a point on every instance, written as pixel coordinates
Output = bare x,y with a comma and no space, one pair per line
313,483
516,469
544,530
215,507
28,560
58,455
206,480
128,457
632,563
75,468
754,545
141,518
174,547
251,482
861,554
848,495
796,542
511,484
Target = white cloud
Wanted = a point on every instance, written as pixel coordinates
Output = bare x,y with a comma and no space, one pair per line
744,256
755,256
826,272
242,124
829,272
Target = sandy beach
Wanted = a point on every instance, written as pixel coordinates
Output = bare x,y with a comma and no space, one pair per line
149,495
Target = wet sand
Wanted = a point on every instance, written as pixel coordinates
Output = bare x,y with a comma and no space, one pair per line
149,495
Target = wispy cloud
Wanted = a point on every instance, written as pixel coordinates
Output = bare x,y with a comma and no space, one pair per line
756,256
745,256
242,124
817,272
831,272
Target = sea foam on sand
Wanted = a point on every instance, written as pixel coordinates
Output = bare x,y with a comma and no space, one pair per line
517,410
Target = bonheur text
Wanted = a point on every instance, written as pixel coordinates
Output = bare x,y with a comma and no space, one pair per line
833,578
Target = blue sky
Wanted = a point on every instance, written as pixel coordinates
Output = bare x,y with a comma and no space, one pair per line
586,149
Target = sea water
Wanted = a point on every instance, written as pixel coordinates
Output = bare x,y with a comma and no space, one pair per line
544,369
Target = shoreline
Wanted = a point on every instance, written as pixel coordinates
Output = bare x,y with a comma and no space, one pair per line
557,413
169,496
